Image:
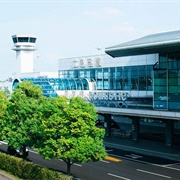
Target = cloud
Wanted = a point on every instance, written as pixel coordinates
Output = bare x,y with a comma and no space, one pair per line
104,13
124,26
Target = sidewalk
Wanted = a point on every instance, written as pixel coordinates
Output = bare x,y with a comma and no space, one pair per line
146,147
4,176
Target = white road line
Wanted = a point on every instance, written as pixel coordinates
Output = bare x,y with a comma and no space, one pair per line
167,167
105,161
33,152
133,156
110,150
137,155
170,164
73,163
77,165
135,160
148,172
120,177
3,142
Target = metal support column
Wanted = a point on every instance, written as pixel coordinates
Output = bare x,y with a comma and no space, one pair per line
107,124
169,132
135,128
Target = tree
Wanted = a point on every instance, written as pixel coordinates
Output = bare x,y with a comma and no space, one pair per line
69,133
3,106
21,119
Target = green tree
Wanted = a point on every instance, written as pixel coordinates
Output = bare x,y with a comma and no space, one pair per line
3,106
69,133
21,119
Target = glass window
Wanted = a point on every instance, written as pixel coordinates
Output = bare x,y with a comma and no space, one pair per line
160,89
92,73
105,71
14,39
134,78
99,85
105,85
23,39
99,74
112,79
76,74
81,74
142,77
32,40
71,74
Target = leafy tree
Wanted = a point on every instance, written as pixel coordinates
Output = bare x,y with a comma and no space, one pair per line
21,120
69,133
3,106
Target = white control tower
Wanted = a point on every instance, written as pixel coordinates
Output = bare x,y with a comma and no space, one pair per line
24,47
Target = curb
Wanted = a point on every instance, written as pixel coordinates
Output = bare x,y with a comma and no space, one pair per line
175,157
5,176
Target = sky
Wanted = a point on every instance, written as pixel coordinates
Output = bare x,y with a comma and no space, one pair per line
74,28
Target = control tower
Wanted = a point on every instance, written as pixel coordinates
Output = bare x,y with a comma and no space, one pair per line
24,47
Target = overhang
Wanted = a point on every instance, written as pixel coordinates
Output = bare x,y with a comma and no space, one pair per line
140,113
167,42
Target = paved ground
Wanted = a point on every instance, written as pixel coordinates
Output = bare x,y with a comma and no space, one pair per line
146,147
5,177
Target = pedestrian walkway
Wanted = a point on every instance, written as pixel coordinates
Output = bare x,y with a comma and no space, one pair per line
146,147
4,176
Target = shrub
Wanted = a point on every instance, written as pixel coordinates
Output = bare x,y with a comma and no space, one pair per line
27,170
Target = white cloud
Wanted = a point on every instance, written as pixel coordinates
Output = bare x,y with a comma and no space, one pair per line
104,13
113,12
124,27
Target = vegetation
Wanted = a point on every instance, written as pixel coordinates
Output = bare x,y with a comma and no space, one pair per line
21,117
3,107
56,127
27,170
69,133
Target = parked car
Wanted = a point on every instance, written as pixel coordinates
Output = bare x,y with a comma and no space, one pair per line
17,152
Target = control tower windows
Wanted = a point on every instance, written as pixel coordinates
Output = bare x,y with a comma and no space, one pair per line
32,40
14,39
22,39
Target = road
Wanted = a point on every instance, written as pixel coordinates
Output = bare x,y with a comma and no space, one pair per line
132,167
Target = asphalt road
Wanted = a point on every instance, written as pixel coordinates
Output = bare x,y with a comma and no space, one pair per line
132,166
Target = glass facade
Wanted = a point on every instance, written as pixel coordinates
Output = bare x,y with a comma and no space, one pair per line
24,39
167,82
51,85
115,78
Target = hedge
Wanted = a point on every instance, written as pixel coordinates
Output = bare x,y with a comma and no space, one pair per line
27,170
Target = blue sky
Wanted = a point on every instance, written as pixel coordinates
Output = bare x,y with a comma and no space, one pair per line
77,27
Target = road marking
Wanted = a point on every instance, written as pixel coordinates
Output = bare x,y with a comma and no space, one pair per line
105,161
33,152
148,172
77,164
137,155
73,163
109,158
110,150
155,152
120,177
134,156
171,164
3,142
171,168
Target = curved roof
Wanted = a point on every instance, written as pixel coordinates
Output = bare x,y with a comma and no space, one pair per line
51,85
156,43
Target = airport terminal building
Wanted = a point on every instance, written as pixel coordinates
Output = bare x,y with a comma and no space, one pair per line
135,83
135,86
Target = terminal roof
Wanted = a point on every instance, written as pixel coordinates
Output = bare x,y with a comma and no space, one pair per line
166,42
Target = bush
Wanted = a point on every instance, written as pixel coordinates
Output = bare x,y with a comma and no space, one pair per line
27,170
